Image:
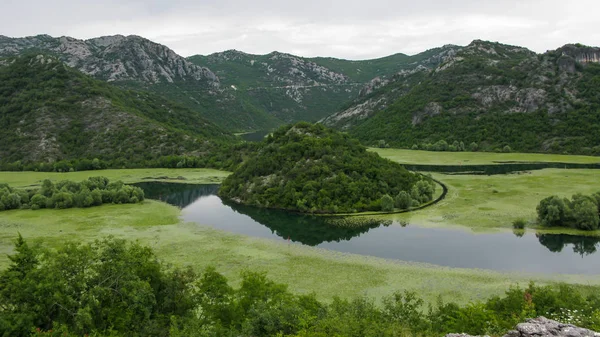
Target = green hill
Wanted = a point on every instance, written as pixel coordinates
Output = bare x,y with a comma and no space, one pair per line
291,88
310,168
51,112
490,95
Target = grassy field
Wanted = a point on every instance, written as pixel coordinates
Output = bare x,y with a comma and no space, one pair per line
305,269
476,158
477,202
190,176
486,202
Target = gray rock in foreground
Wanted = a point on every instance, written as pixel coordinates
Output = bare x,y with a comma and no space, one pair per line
543,327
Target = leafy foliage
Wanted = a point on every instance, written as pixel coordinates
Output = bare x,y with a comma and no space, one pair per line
581,212
114,288
94,191
310,168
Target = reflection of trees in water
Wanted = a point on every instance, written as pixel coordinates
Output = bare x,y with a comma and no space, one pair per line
177,194
306,229
583,245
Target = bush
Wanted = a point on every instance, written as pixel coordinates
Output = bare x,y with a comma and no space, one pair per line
62,200
387,203
581,212
66,194
38,201
519,223
403,200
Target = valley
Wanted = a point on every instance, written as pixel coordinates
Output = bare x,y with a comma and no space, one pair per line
311,183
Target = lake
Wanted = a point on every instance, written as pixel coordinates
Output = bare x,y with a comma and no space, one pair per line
503,251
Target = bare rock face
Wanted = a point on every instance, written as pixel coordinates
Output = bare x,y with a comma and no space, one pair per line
572,54
115,58
543,327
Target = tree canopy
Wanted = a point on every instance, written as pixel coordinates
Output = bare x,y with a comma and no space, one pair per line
310,168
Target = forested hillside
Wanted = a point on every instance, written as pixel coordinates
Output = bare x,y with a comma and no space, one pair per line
292,88
51,112
310,168
489,96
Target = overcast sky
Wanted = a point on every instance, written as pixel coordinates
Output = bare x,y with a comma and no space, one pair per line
349,29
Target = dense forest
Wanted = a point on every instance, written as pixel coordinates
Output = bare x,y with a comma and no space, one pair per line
111,287
310,168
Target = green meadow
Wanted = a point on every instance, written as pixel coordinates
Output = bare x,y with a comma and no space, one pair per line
190,176
479,203
489,202
476,158
305,269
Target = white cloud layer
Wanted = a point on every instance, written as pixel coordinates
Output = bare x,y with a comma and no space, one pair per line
349,29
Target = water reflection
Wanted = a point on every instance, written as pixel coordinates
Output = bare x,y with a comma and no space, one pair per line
177,194
518,251
306,229
582,245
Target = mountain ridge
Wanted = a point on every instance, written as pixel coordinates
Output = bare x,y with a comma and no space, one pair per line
490,94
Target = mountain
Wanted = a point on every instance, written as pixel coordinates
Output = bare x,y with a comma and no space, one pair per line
237,91
133,62
115,58
50,112
293,88
489,94
309,168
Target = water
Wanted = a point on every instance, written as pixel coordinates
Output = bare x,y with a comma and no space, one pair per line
550,254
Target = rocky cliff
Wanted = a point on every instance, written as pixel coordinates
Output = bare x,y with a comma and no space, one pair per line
543,327
115,58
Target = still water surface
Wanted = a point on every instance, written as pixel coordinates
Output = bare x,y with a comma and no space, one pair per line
505,251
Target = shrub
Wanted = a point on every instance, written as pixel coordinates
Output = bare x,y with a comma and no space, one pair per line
38,201
552,211
519,223
403,200
387,203
62,200
11,201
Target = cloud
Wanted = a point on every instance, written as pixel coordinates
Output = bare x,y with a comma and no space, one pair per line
347,29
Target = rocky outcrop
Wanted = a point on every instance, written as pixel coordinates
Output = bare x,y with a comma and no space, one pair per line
115,58
572,54
543,327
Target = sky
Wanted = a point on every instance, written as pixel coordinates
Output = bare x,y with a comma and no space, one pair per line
349,29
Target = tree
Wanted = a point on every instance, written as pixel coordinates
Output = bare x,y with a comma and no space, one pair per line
403,200
585,215
506,149
387,203
553,211
473,147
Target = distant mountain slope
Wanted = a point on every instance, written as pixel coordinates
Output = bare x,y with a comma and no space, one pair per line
294,88
288,87
490,94
138,63
50,112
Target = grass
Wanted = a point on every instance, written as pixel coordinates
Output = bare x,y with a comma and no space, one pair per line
305,269
477,202
488,202
190,176
476,158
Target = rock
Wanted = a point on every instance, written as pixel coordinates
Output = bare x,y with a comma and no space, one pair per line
543,327
115,58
